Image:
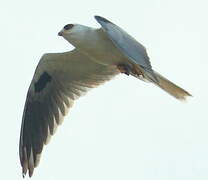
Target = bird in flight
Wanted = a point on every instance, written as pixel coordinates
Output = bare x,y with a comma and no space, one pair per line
60,78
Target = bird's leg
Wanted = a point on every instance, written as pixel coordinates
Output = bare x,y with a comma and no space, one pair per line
124,68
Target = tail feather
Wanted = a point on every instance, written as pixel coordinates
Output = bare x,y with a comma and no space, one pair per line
169,87
157,79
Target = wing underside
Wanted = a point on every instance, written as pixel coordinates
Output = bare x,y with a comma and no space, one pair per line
59,79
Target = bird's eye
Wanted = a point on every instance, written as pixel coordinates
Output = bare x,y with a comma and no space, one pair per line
68,26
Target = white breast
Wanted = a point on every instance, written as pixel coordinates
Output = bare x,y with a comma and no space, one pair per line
101,49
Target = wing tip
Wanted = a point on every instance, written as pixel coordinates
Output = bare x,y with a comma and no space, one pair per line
24,172
101,19
28,164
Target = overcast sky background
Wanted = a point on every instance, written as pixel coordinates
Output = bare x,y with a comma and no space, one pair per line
125,129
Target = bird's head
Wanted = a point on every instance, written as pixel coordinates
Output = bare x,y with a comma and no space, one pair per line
76,34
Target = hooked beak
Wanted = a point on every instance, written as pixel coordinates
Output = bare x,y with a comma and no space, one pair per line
60,33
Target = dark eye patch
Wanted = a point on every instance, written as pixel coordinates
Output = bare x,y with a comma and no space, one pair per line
68,26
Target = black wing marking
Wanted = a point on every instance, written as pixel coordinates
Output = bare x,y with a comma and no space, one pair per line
59,79
44,79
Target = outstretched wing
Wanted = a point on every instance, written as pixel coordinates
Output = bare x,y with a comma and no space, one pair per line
131,48
59,79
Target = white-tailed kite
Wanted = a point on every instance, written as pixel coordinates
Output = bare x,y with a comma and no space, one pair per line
60,78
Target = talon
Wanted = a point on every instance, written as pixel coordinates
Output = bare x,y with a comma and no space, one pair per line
123,68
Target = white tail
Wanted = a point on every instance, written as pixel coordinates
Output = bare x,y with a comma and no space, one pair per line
155,78
170,87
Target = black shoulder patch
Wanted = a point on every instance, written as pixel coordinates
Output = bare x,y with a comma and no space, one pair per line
44,79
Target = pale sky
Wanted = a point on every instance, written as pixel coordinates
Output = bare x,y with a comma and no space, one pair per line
125,129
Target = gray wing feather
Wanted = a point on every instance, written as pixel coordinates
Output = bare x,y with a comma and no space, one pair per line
131,48
59,79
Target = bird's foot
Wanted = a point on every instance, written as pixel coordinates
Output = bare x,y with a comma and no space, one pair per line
123,68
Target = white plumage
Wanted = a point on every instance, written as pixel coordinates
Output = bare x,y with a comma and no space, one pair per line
61,78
